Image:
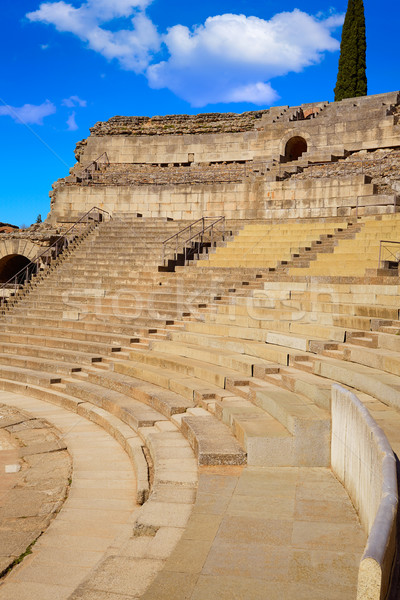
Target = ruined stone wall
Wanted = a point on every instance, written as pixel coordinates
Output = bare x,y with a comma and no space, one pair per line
187,166
134,174
180,124
383,166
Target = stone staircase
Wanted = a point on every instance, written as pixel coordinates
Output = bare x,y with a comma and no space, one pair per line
84,328
235,358
296,245
360,255
49,260
90,331
205,347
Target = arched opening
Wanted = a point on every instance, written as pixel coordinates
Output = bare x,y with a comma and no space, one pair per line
295,147
10,265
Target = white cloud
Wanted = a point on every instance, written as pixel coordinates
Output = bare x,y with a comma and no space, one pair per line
71,122
132,47
44,46
74,101
231,58
109,9
29,114
256,93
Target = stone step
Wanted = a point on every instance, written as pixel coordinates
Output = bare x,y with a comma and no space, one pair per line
37,364
312,387
382,386
309,424
123,434
191,388
10,332
85,323
160,312
164,401
191,367
213,444
221,357
266,441
334,353
52,394
377,358
247,344
364,339
31,325
389,340
133,413
211,440
29,376
93,348
122,299
354,309
135,322
295,341
302,418
137,283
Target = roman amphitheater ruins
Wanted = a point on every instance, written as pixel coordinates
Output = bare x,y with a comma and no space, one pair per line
200,362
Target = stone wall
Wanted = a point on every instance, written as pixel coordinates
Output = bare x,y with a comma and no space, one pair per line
180,124
205,164
142,174
247,199
382,166
354,124
363,461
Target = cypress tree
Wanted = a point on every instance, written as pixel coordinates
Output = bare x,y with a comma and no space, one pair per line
352,78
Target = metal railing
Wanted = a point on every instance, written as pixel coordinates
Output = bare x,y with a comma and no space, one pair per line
190,240
87,222
391,255
87,173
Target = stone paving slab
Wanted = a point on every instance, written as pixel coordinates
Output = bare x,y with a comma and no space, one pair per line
34,480
253,532
253,535
89,522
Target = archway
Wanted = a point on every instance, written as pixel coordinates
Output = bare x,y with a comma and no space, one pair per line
10,265
295,147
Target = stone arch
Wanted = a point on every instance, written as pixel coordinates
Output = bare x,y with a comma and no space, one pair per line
295,147
11,265
14,255
295,142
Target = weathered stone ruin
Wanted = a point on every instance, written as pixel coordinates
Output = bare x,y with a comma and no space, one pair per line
217,347
254,166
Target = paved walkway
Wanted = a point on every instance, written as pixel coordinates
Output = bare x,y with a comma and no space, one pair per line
253,534
98,511
265,533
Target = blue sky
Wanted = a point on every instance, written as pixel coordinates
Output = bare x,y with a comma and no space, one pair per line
67,64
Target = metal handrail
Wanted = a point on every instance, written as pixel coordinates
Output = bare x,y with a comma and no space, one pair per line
44,258
93,164
205,229
383,246
186,228
181,245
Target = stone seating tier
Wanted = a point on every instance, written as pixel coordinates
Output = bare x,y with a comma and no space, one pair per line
242,371
147,174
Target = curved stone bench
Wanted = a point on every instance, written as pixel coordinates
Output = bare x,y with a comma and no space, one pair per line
168,465
363,461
